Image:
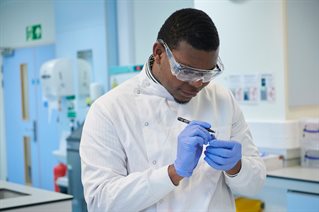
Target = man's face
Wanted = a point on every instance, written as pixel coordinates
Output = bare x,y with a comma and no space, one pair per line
184,91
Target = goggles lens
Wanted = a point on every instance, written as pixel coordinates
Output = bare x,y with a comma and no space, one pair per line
189,74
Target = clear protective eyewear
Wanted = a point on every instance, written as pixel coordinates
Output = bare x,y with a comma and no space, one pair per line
189,74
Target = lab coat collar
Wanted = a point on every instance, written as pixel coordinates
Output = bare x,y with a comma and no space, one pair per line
149,87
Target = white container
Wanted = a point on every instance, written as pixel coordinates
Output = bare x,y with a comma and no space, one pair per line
310,143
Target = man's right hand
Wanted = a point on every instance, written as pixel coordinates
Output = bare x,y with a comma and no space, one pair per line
190,147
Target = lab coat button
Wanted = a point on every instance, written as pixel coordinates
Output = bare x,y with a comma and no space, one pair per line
154,162
146,83
146,124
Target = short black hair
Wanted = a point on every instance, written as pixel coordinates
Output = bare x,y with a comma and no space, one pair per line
191,25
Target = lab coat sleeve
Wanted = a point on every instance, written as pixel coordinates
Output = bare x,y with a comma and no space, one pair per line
252,175
107,185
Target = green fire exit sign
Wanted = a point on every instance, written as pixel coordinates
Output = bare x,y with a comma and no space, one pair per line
34,32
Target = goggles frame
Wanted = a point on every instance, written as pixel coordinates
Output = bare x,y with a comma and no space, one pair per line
188,74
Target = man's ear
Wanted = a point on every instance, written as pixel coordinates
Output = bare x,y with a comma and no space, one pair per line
158,52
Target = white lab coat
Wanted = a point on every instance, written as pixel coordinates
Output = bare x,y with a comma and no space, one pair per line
130,137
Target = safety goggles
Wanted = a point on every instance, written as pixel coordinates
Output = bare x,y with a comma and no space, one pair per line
189,74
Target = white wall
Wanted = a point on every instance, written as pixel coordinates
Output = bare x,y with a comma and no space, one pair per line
303,54
16,15
252,42
148,18
77,31
126,33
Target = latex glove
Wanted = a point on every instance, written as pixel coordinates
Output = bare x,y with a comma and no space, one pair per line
223,155
190,147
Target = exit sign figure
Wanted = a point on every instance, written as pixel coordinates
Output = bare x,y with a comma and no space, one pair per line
33,32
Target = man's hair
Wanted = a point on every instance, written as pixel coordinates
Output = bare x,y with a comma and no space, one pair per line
190,25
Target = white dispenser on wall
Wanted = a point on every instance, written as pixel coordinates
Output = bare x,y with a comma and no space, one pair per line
58,78
67,79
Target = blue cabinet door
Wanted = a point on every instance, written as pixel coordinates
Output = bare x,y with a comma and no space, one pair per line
30,139
301,201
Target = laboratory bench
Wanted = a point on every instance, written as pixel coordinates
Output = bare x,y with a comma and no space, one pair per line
16,197
291,189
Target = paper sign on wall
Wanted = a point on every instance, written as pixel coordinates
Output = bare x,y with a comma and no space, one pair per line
252,88
267,88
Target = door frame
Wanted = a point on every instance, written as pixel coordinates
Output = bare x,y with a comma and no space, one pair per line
3,156
40,149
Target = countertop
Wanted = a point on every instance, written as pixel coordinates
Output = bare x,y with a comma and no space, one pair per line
296,173
34,196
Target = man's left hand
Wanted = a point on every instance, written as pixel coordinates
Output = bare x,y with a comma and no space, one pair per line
223,155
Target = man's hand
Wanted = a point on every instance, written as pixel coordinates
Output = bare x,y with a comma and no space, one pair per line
224,155
190,147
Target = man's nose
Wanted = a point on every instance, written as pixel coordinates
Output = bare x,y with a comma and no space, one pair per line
197,83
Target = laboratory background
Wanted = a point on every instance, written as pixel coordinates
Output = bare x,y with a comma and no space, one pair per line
58,56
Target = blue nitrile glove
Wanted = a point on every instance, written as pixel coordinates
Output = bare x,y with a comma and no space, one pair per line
222,155
190,147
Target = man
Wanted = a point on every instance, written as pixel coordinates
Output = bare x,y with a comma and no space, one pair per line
137,156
